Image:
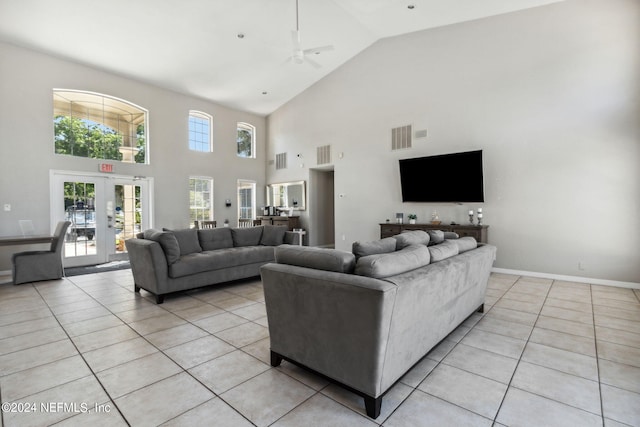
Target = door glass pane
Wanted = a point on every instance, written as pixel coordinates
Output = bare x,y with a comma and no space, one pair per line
128,214
79,204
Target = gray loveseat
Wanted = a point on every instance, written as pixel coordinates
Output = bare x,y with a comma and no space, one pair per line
168,261
364,319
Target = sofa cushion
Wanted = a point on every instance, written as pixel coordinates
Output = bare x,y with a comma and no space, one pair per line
200,262
318,258
381,246
435,236
249,236
168,243
450,235
444,250
465,243
390,264
273,235
215,238
408,238
187,240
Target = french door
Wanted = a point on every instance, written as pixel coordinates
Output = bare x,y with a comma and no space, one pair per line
104,211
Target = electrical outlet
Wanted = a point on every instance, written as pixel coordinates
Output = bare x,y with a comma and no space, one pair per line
7,207
581,265
344,237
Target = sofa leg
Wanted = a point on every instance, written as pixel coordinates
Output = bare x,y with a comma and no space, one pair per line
481,308
373,405
136,289
159,299
276,359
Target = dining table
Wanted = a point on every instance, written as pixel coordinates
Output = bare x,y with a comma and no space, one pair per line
25,240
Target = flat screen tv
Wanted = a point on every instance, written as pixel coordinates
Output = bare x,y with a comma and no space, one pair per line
453,178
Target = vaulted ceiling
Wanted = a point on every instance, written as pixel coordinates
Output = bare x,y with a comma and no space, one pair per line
236,53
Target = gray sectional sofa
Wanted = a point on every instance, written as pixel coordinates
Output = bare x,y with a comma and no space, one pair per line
363,319
168,261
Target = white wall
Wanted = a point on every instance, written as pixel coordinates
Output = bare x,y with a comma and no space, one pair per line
551,95
27,152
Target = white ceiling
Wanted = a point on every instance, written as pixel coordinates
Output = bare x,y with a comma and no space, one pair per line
192,46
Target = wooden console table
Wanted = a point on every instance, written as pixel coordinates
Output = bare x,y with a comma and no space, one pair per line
478,232
290,222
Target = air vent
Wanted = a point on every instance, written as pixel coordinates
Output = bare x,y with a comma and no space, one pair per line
281,161
401,138
324,155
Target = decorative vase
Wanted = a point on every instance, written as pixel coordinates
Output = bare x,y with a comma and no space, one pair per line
412,221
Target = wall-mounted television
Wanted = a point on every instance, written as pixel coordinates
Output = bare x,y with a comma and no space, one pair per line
455,177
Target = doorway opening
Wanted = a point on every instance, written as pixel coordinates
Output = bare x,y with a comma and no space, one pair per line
322,207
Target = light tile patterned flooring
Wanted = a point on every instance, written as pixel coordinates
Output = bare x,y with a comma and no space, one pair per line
544,353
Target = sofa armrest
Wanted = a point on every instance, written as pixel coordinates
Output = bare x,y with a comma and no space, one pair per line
148,265
334,323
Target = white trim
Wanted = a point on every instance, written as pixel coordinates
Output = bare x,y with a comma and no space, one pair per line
592,281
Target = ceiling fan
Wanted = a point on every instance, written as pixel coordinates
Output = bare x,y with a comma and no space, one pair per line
300,55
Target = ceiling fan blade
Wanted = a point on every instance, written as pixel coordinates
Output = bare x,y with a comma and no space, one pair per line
318,49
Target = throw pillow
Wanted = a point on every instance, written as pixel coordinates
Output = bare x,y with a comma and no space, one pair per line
168,243
408,238
465,243
435,236
273,235
381,246
317,258
187,240
215,238
444,250
249,236
384,265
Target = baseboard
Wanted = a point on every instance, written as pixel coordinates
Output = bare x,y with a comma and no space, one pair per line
590,280
5,272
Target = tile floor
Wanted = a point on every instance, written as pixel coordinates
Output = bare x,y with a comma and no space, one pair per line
87,350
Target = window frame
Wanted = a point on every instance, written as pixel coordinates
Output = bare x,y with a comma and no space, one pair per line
243,183
99,110
193,206
200,115
252,129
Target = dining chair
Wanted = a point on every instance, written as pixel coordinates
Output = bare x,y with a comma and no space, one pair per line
33,266
205,224
245,223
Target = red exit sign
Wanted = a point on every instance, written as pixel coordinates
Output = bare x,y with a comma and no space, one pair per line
106,167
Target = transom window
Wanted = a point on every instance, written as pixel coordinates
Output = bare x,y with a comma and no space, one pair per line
200,131
97,126
200,198
246,140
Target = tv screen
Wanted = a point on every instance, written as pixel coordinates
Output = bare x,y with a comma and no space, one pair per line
453,177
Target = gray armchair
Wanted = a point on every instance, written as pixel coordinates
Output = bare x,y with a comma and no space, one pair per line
41,265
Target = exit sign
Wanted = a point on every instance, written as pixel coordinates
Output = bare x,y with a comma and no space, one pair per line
106,167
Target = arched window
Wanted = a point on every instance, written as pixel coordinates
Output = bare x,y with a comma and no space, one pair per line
97,126
246,140
200,131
